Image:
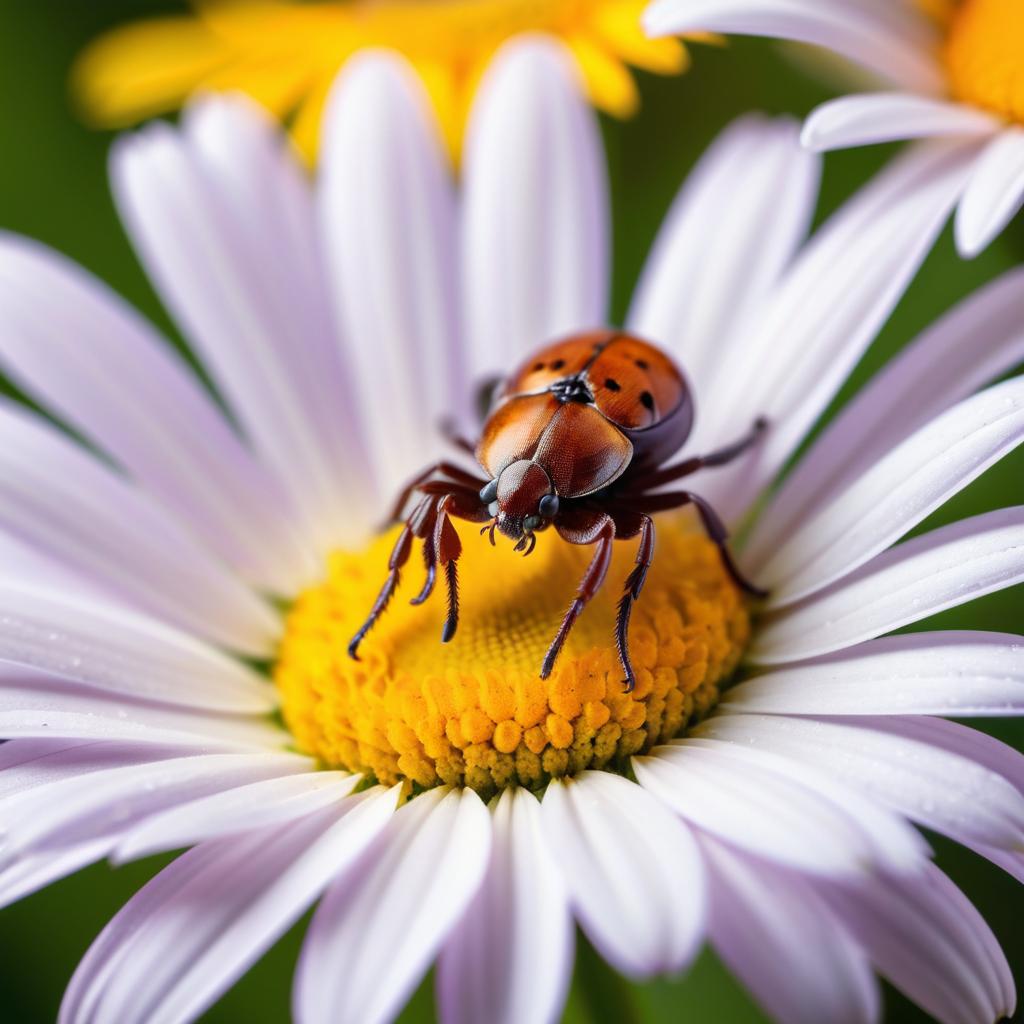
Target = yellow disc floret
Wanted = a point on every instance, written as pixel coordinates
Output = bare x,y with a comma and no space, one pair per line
474,712
985,55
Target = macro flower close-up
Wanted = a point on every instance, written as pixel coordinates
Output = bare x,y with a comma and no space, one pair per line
188,552
941,68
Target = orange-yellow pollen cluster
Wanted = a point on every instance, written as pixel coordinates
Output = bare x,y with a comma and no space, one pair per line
985,55
475,712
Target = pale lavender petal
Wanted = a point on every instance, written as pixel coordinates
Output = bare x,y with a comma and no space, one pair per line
388,212
733,228
60,499
918,578
76,347
943,790
270,204
897,493
939,673
535,214
221,267
927,938
761,803
777,935
33,704
188,935
240,809
892,40
38,870
825,312
976,341
890,117
87,806
994,194
123,652
642,922
377,929
509,960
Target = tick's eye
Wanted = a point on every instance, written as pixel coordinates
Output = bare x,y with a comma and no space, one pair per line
489,492
548,507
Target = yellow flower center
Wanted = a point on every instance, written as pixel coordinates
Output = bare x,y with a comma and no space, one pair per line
985,55
474,712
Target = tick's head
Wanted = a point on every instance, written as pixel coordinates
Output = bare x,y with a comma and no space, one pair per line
521,500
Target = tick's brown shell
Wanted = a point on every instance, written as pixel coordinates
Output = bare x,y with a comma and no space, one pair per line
585,408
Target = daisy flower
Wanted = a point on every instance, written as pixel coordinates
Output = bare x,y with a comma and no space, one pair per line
758,788
285,54
945,68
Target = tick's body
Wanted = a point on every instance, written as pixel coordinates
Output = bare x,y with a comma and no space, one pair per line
576,438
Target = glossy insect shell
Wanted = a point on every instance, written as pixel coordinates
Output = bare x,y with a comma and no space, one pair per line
586,408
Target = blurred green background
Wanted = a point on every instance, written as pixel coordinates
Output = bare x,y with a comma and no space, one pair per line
53,187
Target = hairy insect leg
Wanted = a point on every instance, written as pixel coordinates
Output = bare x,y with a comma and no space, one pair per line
399,556
450,432
709,518
634,584
462,478
720,457
589,585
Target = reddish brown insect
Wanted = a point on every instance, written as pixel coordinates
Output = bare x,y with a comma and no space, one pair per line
576,438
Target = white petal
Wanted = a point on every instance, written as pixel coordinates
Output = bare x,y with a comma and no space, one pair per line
952,673
377,929
271,207
643,922
22,562
825,312
241,809
509,960
778,936
918,578
888,39
962,741
976,341
535,232
38,870
62,500
762,804
888,117
994,194
95,804
120,651
33,704
730,233
943,790
388,212
217,261
897,493
74,345
188,935
927,938
28,763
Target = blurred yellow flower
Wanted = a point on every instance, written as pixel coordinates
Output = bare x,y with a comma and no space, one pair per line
285,53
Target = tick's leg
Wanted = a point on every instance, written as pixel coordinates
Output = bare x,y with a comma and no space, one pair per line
445,469
448,548
450,432
589,586
464,503
716,458
634,584
399,556
708,516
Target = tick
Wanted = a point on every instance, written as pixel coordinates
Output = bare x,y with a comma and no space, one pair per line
578,438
